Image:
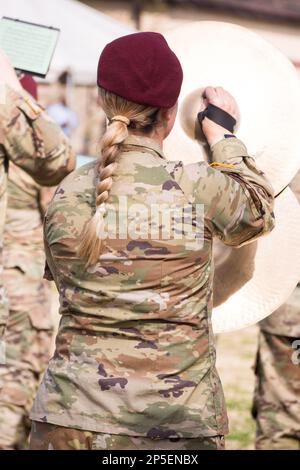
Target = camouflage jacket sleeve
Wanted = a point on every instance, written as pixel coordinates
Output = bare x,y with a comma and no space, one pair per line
33,141
237,197
45,196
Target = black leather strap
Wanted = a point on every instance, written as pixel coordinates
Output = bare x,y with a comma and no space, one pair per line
219,116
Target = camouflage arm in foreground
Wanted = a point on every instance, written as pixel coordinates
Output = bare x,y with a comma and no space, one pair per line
33,141
238,198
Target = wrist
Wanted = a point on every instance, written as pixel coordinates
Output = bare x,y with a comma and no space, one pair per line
218,137
213,133
213,140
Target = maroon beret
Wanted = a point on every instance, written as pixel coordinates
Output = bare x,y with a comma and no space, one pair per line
141,68
30,85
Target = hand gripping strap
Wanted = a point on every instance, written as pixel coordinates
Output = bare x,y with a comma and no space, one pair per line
217,115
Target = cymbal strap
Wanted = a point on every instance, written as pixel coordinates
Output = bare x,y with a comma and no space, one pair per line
278,194
219,116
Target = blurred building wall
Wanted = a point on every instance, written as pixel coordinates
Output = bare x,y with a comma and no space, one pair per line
158,16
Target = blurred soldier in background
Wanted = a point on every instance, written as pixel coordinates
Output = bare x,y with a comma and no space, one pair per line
60,111
29,328
34,142
276,406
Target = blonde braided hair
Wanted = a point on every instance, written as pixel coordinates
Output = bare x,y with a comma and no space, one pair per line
122,114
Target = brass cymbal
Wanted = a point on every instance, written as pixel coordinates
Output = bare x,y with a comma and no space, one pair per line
252,281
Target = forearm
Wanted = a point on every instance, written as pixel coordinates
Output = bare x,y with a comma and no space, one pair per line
230,155
254,196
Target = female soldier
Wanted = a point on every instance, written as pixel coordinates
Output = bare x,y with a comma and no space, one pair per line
134,366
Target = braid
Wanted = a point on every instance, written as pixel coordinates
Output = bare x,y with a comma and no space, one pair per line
122,114
90,246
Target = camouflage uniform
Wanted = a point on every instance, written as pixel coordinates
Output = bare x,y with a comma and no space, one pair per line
135,353
29,329
30,139
47,436
276,405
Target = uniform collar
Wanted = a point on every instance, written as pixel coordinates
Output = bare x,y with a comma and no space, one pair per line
144,142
